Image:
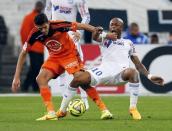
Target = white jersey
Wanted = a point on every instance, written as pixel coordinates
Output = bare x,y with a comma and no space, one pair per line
115,59
67,10
117,52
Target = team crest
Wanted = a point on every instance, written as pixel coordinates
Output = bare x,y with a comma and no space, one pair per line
53,45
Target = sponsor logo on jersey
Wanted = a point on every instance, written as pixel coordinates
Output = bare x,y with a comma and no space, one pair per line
73,64
62,9
107,43
118,43
55,7
53,45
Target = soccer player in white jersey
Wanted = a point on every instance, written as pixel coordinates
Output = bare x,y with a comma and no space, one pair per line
67,10
115,69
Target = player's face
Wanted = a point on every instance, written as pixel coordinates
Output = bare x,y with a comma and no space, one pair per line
115,26
44,28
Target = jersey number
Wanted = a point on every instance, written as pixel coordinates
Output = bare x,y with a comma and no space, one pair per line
97,72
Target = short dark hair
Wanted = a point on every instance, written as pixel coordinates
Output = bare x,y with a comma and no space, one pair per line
40,19
134,24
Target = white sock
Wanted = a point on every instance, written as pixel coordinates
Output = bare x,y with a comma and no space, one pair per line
134,93
67,96
84,97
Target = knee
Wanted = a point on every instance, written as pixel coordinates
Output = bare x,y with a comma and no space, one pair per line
80,80
76,82
131,75
38,79
41,79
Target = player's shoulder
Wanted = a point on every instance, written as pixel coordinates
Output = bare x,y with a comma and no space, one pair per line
127,41
34,33
57,22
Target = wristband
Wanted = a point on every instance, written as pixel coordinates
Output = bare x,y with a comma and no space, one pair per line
104,34
149,76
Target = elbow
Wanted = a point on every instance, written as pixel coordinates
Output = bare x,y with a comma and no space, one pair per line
23,53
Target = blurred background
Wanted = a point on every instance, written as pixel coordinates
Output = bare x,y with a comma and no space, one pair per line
147,22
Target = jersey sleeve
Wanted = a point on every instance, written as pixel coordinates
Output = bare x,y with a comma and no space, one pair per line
64,26
83,10
48,9
31,39
26,46
74,26
132,51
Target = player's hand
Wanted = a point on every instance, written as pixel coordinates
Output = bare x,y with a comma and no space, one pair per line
112,36
99,30
157,80
76,36
15,85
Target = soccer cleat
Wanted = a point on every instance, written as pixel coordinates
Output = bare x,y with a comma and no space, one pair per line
135,114
48,116
106,115
60,114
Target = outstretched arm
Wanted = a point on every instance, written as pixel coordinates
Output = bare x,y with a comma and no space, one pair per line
141,68
20,63
81,26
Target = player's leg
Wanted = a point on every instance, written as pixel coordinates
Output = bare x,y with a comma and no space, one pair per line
62,80
83,79
42,79
131,75
82,92
50,69
84,97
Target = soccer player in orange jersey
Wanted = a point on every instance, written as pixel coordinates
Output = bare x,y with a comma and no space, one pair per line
63,56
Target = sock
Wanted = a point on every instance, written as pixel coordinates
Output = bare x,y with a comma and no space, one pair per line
46,96
67,96
93,94
84,97
134,93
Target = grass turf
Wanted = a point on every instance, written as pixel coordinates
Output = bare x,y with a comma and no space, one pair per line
19,114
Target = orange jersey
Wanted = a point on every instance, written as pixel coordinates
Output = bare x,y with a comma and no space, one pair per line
58,42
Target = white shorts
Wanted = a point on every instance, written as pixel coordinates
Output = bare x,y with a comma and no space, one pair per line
106,74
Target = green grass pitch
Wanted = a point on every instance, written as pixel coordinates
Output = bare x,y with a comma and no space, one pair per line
19,114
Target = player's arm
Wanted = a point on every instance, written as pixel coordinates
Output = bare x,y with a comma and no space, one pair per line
21,60
83,11
82,8
48,9
20,63
87,27
142,69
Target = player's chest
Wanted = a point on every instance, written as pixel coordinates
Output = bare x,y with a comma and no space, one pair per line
54,43
116,45
63,6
